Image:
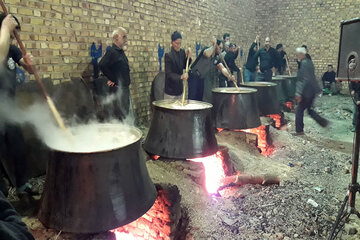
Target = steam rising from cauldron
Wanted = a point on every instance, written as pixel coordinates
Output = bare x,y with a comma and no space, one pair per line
85,138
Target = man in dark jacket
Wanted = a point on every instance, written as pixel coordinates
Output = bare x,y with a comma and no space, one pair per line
252,62
115,67
12,143
175,63
306,89
282,58
11,225
269,61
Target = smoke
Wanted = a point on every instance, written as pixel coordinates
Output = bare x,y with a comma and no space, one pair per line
89,137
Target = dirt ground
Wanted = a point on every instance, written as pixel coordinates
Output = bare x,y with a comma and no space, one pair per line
315,166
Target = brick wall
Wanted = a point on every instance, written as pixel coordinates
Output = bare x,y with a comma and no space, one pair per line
59,33
315,23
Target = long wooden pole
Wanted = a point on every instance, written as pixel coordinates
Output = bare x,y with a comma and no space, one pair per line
37,77
287,64
227,68
185,82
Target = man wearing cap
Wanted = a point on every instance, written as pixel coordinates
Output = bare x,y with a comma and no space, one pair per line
269,61
207,59
12,143
306,89
175,63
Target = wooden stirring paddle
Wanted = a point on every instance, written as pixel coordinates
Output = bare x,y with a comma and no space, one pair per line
37,77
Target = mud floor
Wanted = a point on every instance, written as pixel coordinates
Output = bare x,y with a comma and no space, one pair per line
315,166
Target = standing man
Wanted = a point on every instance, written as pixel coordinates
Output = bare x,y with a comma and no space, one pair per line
12,143
115,67
306,89
230,59
175,63
269,61
282,58
252,62
207,59
230,54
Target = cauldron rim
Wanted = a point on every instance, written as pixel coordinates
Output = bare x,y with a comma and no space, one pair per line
233,90
259,84
277,78
286,76
137,132
168,101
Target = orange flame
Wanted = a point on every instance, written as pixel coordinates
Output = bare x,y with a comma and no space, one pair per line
289,105
277,118
214,171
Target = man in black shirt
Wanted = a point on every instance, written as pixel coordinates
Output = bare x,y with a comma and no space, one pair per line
175,63
115,67
12,142
282,58
269,61
252,62
207,59
230,54
328,80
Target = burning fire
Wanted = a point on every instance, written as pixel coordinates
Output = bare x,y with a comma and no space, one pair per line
277,118
214,171
155,224
262,141
289,105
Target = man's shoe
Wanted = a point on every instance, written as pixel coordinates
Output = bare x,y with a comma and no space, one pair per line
323,122
298,134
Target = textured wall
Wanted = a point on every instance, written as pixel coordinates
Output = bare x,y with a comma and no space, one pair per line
59,32
315,23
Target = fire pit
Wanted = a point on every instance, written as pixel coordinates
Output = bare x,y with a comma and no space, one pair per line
266,97
236,108
97,186
181,132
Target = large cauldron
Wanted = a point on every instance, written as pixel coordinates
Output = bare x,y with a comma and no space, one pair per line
97,191
267,100
291,85
235,109
181,132
282,88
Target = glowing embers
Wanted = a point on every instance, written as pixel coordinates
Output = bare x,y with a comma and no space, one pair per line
278,118
214,171
289,105
263,139
161,222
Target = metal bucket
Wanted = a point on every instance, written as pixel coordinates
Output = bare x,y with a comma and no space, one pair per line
236,109
181,132
267,100
90,192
